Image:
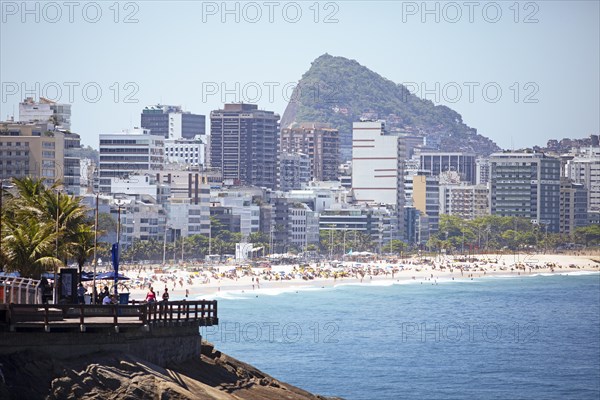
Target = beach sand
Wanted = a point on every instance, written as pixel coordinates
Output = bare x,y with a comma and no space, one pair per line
223,281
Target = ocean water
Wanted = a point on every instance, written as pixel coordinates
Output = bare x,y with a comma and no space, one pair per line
535,337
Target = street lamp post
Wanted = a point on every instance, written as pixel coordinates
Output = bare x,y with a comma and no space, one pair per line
119,204
94,294
165,245
174,246
1,191
209,241
55,291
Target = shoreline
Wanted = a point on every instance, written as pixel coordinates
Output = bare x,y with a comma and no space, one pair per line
229,281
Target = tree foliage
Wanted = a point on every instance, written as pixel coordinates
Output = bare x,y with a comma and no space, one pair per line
43,228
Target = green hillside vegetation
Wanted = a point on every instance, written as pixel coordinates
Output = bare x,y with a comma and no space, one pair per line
340,91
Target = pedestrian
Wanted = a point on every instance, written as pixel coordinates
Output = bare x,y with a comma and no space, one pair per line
80,294
104,294
165,295
108,300
151,296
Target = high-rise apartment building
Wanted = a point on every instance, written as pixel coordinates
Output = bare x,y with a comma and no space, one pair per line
438,162
45,111
171,122
526,185
294,171
426,199
482,171
573,206
244,143
28,149
375,163
320,143
129,153
186,151
585,169
464,201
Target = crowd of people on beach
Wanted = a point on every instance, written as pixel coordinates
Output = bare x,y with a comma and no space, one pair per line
183,279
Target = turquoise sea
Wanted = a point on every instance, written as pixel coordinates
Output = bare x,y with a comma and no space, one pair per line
534,337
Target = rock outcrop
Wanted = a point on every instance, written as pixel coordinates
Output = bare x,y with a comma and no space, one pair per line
26,375
339,91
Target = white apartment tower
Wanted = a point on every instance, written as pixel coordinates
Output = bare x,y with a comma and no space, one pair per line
135,152
375,163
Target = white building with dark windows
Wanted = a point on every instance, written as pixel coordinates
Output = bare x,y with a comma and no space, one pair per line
188,204
184,151
375,163
56,115
135,152
464,201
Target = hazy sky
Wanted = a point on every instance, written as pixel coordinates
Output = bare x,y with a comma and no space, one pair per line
519,72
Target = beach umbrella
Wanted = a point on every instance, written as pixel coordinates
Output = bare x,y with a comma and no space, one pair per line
87,276
111,275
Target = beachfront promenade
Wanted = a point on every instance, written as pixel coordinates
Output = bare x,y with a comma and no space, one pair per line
114,317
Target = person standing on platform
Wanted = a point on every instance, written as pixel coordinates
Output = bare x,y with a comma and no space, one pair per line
151,296
80,294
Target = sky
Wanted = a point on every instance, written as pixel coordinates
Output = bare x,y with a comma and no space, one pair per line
521,73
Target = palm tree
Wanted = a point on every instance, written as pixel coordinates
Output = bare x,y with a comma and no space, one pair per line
28,247
83,246
59,212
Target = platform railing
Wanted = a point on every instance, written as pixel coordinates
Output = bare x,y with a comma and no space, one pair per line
204,312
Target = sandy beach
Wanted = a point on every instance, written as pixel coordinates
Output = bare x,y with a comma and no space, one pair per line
195,282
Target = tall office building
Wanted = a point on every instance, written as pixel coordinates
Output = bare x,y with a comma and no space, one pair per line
439,162
320,143
129,153
526,185
32,150
45,111
243,144
172,122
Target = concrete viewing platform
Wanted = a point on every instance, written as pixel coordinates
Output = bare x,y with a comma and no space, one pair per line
115,317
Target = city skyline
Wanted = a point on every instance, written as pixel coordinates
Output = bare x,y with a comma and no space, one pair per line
542,56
